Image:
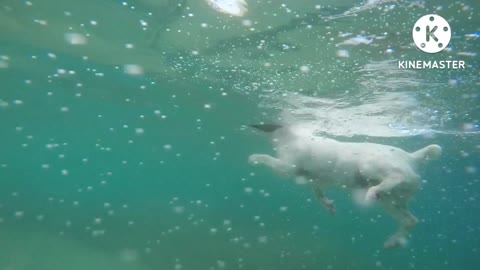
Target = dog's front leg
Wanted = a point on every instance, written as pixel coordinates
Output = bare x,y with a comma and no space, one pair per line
275,164
326,201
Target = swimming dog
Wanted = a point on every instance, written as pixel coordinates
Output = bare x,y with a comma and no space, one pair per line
386,173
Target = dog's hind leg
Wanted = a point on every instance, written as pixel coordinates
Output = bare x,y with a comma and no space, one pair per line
384,187
275,164
406,179
326,201
405,219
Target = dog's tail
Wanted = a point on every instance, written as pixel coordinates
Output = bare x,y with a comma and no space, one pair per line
268,128
430,152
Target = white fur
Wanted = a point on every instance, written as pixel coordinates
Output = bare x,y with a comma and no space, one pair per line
386,173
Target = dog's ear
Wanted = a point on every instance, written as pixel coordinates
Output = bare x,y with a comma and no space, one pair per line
269,128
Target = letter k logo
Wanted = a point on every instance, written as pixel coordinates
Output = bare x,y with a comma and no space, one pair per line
431,33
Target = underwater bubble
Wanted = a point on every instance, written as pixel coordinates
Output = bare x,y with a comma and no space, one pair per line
97,233
221,264
343,53
75,38
179,209
468,126
41,22
304,69
470,169
262,239
133,69
3,64
452,82
3,104
247,23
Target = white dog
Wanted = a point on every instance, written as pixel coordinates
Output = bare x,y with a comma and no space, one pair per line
386,173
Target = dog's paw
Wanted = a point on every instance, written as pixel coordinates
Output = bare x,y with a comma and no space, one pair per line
255,159
371,195
395,242
330,207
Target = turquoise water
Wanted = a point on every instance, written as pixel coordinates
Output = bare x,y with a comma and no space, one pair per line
124,143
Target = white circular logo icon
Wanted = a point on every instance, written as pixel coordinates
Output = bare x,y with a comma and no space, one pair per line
431,33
